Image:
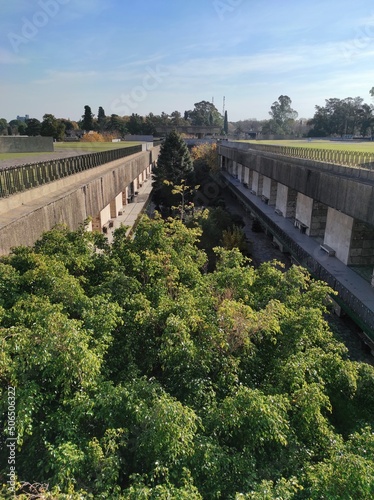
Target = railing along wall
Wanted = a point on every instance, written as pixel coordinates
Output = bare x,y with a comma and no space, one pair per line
363,314
336,156
19,178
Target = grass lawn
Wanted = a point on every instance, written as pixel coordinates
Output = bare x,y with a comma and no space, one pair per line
70,147
92,146
367,147
12,156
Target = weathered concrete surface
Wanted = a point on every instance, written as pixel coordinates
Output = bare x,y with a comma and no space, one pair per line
25,216
338,233
16,144
349,190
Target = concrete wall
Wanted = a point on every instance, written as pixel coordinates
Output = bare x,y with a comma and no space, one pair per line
338,233
304,208
26,144
350,190
286,200
269,190
361,251
25,216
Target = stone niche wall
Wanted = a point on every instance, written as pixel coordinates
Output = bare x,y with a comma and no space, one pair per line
318,221
361,251
26,144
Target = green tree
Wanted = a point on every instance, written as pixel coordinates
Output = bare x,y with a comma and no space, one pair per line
15,124
52,127
174,164
87,119
138,374
226,124
3,126
205,113
135,124
282,117
101,118
33,127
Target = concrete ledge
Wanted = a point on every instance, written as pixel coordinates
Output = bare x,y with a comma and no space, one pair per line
330,251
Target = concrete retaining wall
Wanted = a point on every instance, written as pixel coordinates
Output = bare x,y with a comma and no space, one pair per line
26,144
348,190
25,216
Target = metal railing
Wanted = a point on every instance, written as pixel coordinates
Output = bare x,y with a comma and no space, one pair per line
336,156
19,178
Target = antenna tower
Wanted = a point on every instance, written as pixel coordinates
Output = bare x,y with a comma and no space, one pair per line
223,109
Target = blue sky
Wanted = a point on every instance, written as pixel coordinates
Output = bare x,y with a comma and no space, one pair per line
142,56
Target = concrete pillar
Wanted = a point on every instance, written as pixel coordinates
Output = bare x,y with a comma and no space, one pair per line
285,202
125,195
105,215
269,190
240,172
235,169
257,183
338,233
246,175
115,206
303,215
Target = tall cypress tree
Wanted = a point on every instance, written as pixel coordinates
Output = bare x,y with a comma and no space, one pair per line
87,123
101,117
226,124
174,164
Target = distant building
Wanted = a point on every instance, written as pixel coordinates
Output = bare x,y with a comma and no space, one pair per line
23,118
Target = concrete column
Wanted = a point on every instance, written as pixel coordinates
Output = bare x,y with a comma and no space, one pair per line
269,190
286,201
338,233
234,169
303,215
257,183
240,171
105,215
246,175
115,206
125,195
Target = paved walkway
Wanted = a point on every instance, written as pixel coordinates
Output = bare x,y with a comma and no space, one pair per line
131,211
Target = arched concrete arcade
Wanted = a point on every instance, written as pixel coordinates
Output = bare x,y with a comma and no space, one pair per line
99,193
322,214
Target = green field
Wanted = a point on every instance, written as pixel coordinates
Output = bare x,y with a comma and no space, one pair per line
70,147
367,147
92,146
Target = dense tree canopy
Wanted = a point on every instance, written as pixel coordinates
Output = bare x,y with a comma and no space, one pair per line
282,117
139,375
204,113
341,117
52,127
